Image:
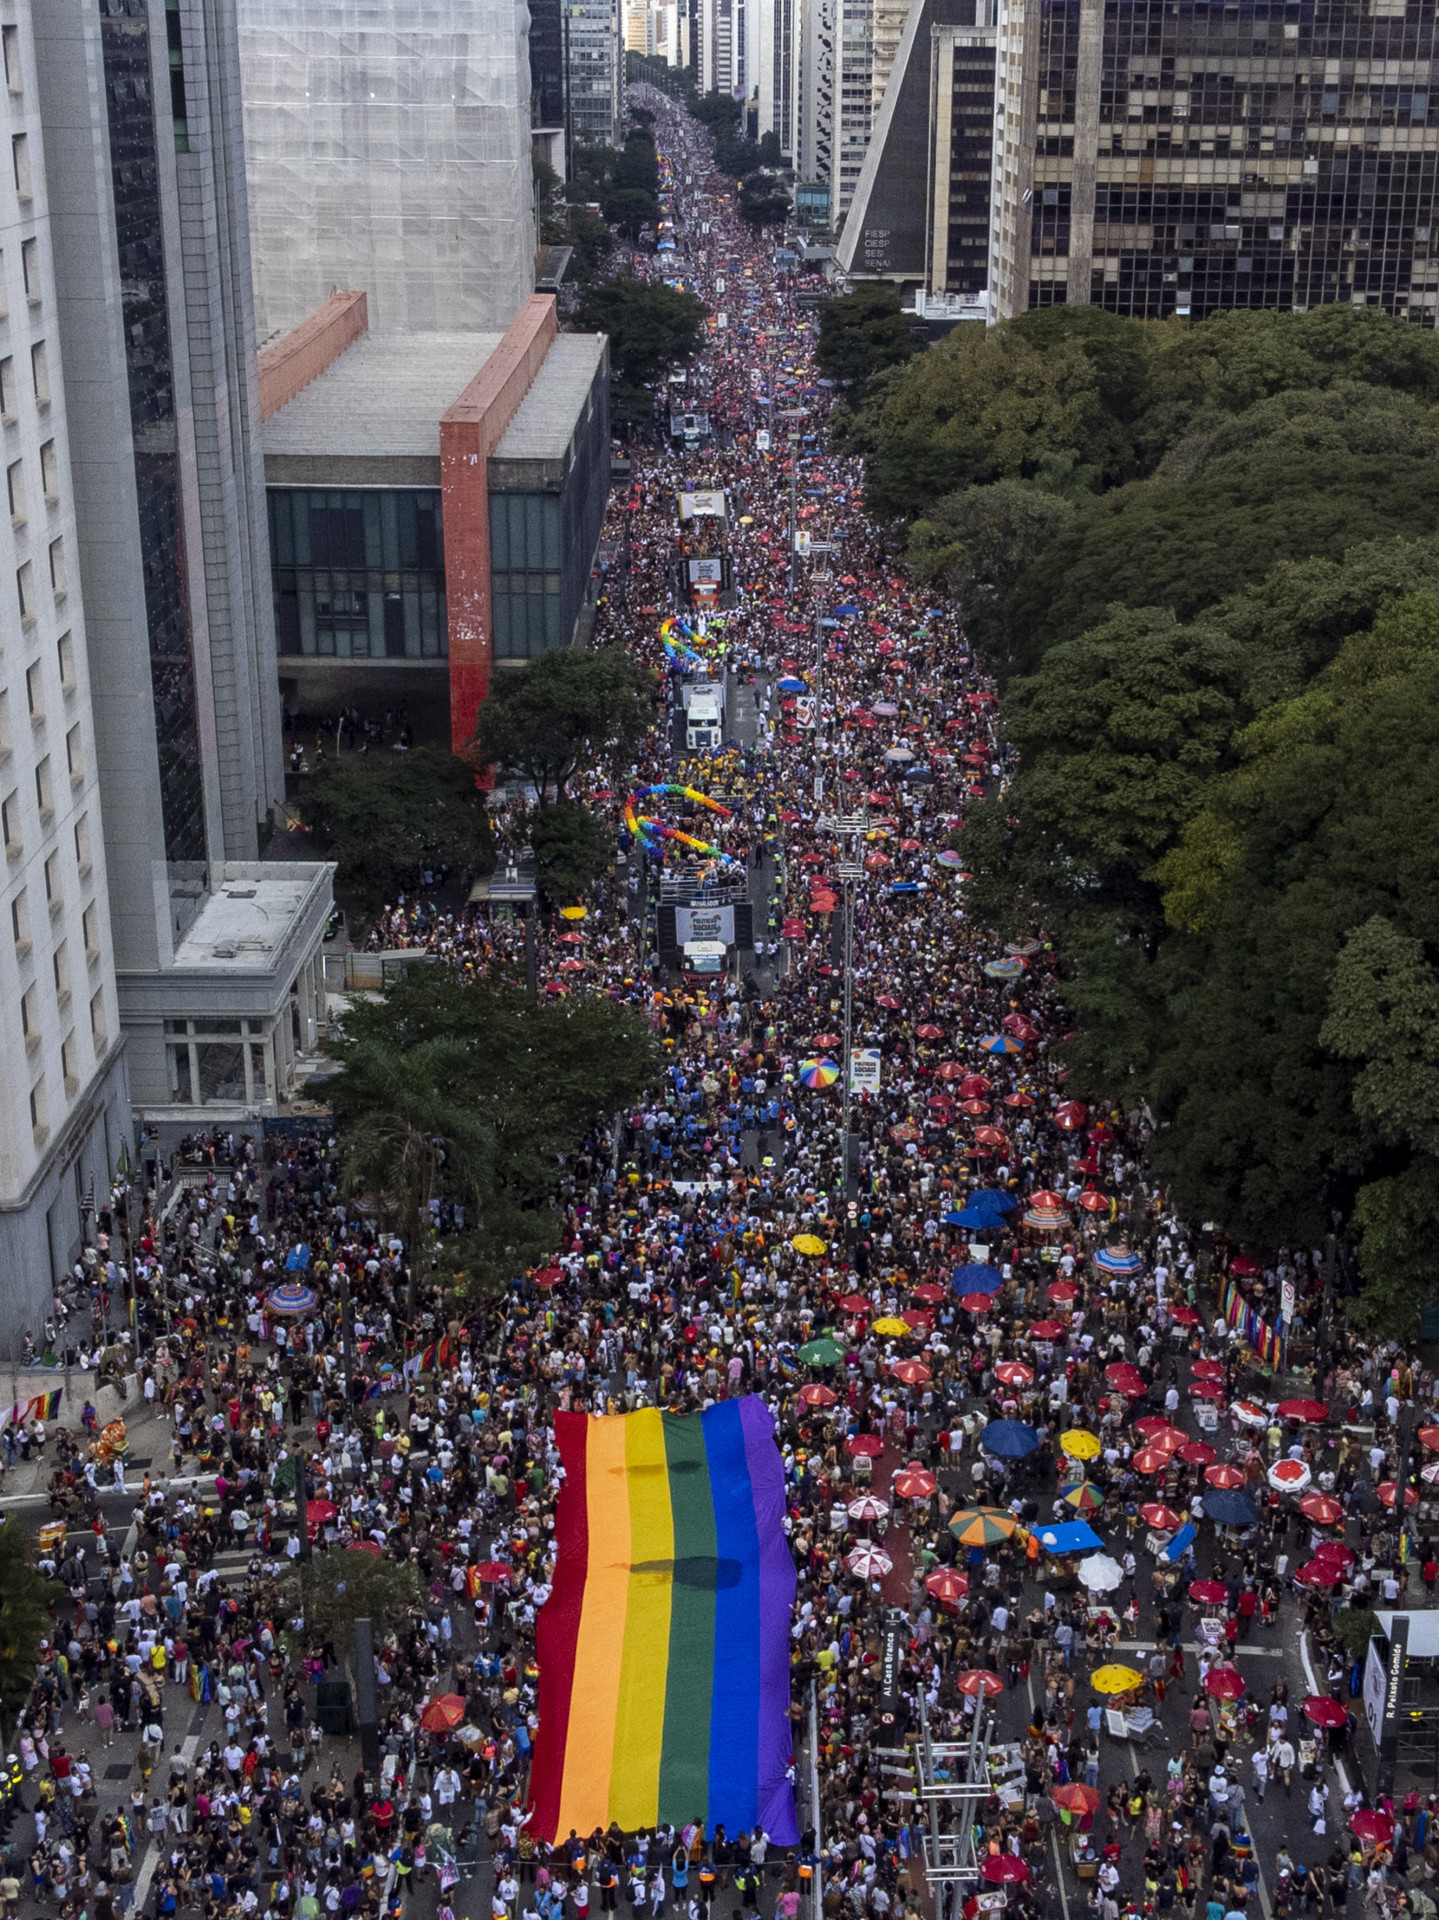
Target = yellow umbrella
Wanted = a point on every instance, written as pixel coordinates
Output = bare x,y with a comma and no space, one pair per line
1115,1679
572,913
890,1324
1080,1444
807,1243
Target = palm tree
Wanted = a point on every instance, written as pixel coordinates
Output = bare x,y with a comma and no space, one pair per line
409,1130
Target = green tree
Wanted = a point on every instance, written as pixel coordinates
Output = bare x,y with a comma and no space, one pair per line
383,816
763,201
563,709
862,333
1297,476
410,1135
979,544
651,327
26,1601
573,847
531,1079
334,1590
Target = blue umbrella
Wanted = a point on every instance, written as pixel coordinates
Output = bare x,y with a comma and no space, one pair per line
905,886
977,1277
991,1200
973,1217
1118,1260
1231,1507
298,1258
1075,1536
846,609
1009,1439
792,685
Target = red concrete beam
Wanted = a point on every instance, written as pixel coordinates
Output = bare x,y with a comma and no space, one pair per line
290,363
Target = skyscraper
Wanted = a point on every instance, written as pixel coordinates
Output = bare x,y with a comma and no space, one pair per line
1161,159
216,953
389,151
595,66
64,1106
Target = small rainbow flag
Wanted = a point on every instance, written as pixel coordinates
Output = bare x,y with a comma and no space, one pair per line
45,1406
664,1645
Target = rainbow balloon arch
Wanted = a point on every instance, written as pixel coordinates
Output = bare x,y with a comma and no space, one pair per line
682,643
651,832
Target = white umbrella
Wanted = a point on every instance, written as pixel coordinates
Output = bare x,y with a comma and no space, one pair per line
870,1563
1099,1573
899,753
1250,1414
867,1507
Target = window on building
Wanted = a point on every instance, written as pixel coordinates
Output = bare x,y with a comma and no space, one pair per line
7,387
25,590
97,1022
60,966
40,373
49,471
65,654
358,574
5,741
20,163
15,484
30,1015
54,889
39,1113
90,928
59,584
82,843
10,46
20,923
44,789
10,823
75,753
68,1064
30,269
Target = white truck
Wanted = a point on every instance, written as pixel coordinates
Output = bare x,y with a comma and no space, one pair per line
704,716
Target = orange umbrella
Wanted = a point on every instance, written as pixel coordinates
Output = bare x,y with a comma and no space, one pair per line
945,1583
977,1680
914,1482
443,1714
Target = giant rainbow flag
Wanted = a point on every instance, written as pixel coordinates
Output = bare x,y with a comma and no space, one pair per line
664,1644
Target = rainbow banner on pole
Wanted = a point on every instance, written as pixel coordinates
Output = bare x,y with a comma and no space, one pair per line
664,1644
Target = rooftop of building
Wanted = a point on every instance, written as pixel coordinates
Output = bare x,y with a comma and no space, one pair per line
384,397
249,913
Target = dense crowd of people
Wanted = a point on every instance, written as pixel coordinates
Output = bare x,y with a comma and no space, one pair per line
990,1257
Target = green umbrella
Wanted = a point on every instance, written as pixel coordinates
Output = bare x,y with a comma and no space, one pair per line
820,1353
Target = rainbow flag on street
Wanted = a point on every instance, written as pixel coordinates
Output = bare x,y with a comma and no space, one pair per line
664,1645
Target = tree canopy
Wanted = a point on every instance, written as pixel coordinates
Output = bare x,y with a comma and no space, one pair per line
516,1085
562,709
26,1598
862,333
383,816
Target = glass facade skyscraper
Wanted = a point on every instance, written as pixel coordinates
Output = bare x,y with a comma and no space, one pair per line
1172,157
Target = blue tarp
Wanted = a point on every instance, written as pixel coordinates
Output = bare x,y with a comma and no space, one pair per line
1231,1507
977,1277
1075,1536
1180,1544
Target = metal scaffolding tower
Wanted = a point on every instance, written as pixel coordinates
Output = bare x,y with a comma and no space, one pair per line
953,1782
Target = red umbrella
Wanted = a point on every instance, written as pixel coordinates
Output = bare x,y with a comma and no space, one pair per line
1325,1711
852,1303
372,1547
1206,1389
817,1396
1047,1330
1124,1370
1322,1508
1198,1453
1334,1553
914,1483
1151,1460
1430,1438
977,1680
1224,1476
930,1294
914,1373
947,1584
1005,1869
1019,1101
1151,1424
1014,1373
973,1085
1310,1410
977,1302
1171,1439
443,1714
1185,1317
869,1443
918,1321
1207,1370
1048,1200
1209,1593
1062,1292
547,1276
1093,1202
1319,1573
1155,1514
1386,1491
1244,1264
1224,1683
1372,1825
1071,1116
929,1031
